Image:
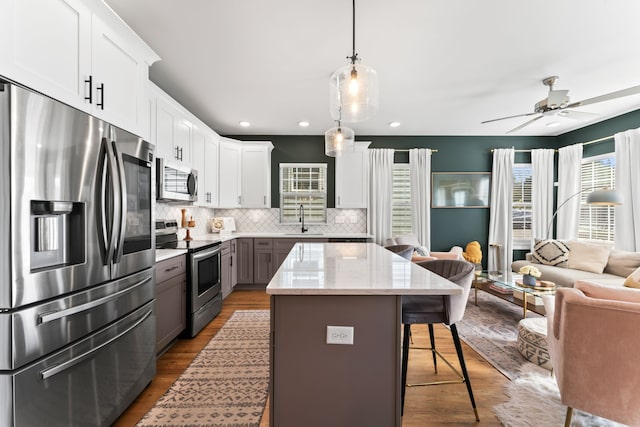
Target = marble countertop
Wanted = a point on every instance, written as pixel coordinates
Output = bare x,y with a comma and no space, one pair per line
162,254
354,269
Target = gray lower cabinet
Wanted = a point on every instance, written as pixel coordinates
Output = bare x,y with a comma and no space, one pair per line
226,268
262,261
171,300
244,260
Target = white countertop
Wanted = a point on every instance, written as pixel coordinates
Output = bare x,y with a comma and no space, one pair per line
354,269
162,254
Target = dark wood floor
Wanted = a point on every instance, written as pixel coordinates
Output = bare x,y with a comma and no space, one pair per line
444,405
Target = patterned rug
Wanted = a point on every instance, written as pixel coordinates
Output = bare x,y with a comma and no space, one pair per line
491,329
226,385
535,402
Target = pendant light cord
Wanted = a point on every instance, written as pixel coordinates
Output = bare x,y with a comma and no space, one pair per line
354,55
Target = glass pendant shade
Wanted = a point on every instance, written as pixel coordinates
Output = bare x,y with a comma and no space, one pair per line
338,140
353,93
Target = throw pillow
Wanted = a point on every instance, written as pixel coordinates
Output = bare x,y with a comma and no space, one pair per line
407,239
587,256
421,251
622,263
550,252
633,281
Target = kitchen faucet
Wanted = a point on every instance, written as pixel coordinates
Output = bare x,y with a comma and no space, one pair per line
302,218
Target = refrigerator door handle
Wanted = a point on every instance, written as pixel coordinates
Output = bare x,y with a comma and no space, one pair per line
122,195
104,208
59,314
116,199
54,370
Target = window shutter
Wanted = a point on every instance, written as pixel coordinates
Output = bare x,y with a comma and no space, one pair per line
522,212
401,201
303,184
597,222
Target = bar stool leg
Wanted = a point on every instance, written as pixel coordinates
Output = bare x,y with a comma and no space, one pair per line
405,362
463,366
433,347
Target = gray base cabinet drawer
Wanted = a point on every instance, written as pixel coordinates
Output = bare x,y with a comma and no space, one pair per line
171,300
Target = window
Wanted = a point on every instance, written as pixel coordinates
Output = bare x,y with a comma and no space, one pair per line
597,222
521,211
303,184
401,202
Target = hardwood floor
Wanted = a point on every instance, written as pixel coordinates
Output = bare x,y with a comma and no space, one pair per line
444,405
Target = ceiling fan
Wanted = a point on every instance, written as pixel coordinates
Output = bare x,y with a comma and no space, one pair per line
558,103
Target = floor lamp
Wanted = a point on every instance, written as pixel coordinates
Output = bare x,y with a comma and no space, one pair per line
603,197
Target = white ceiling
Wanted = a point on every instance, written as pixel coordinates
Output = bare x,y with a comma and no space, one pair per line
444,66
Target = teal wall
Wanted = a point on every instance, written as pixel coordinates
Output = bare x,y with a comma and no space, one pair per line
449,226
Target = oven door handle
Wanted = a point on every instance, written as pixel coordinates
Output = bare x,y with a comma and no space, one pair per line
54,370
206,253
55,315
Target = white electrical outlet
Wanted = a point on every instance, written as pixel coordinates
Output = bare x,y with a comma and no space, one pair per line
340,335
354,219
339,219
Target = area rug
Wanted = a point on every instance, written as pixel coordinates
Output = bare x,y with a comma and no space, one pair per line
226,385
491,329
535,402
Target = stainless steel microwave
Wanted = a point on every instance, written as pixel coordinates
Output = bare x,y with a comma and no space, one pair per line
176,182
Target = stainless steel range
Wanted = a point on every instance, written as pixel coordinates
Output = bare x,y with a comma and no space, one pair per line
77,319
204,300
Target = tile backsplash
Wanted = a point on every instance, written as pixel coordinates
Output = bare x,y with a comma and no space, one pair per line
264,220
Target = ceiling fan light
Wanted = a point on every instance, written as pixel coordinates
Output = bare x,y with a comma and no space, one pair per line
339,140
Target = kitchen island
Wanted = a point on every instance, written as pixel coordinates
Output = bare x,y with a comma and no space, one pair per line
349,295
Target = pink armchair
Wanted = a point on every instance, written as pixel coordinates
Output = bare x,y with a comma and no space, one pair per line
594,343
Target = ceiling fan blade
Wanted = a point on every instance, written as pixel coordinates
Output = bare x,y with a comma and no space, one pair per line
607,97
525,124
577,115
556,98
508,117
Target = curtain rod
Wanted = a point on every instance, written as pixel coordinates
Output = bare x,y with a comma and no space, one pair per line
406,150
593,141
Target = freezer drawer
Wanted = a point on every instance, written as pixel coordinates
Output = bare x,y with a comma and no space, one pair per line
38,330
87,384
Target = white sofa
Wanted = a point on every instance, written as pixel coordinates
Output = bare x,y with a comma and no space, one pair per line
610,267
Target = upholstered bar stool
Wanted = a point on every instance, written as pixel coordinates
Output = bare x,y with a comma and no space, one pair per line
423,309
405,251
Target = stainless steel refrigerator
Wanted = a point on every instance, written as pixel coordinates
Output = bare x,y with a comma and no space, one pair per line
77,321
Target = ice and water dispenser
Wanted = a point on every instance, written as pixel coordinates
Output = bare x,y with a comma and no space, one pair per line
57,234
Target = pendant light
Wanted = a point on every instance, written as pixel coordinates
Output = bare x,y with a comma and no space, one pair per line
338,140
354,88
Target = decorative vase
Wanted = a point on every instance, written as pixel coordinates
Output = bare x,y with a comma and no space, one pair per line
528,279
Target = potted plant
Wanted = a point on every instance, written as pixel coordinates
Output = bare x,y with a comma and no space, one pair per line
529,275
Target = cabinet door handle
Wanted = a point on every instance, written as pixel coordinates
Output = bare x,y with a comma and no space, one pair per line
239,199
90,82
181,158
171,268
338,200
265,199
101,89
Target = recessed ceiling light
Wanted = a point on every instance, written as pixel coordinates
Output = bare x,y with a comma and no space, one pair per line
394,124
553,124
303,124
245,124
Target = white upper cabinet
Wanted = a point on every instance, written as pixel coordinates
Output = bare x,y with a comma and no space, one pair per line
230,173
80,53
205,160
352,178
174,129
256,174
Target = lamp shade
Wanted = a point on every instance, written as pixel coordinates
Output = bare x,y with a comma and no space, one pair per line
604,196
338,140
353,93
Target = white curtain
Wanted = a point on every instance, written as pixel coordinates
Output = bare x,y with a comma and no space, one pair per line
541,191
569,187
500,219
380,193
420,172
627,215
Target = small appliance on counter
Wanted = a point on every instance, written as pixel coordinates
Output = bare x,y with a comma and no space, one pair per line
204,299
223,225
